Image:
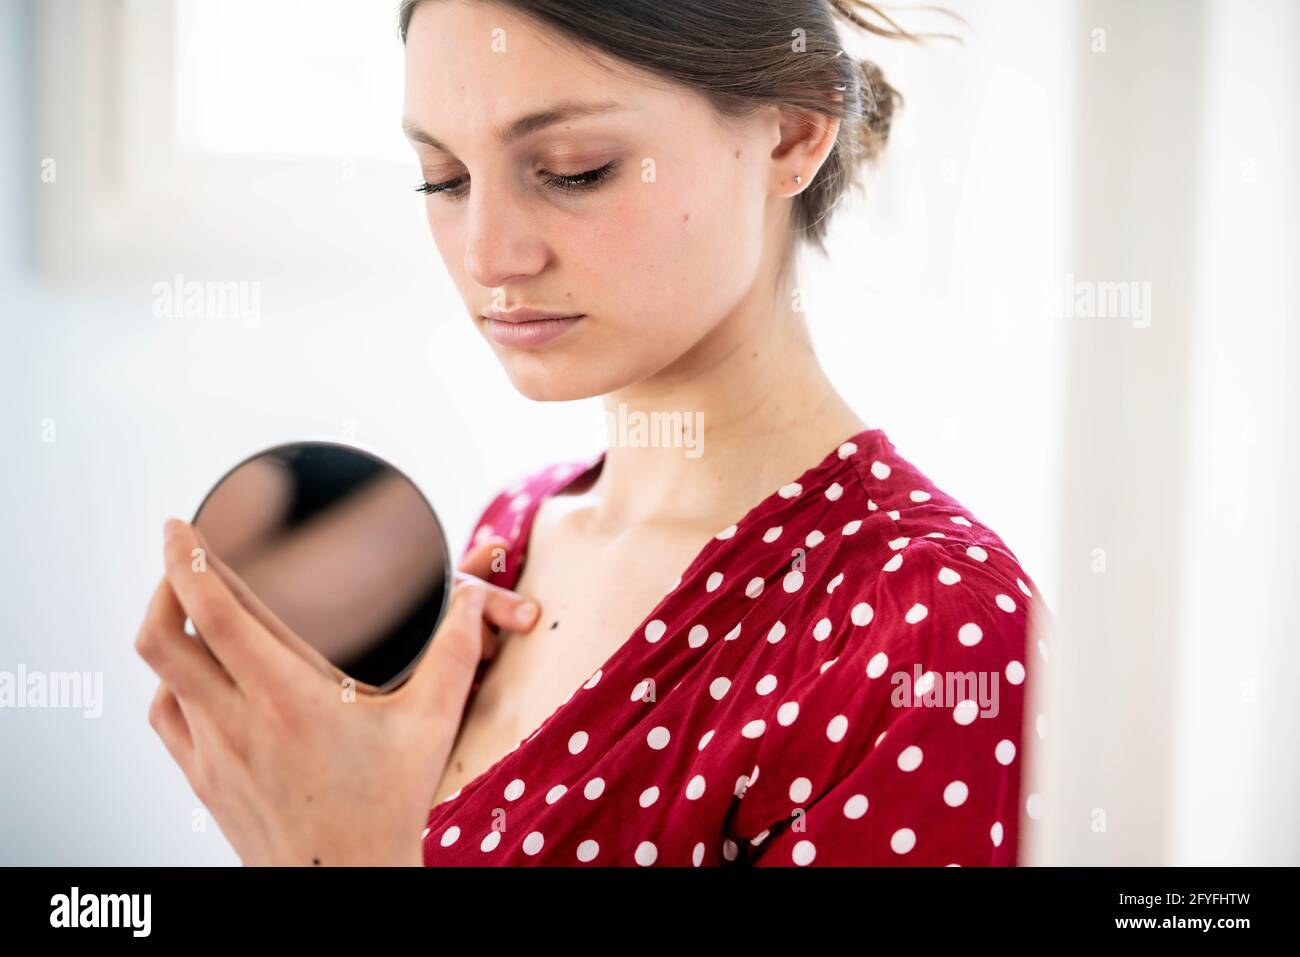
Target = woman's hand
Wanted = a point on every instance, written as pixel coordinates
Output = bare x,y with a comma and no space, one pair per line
294,770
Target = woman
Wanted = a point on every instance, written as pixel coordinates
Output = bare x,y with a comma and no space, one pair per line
781,645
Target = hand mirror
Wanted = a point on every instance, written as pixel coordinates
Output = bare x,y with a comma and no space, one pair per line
342,546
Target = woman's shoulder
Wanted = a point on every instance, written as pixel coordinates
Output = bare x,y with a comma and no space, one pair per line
507,506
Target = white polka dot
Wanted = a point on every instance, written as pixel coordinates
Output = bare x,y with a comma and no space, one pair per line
695,787
879,469
793,581
977,553
837,727
655,630
790,491
726,533
965,711
803,853
766,684
786,714
588,850
897,543
894,564
909,759
919,495
856,806
1024,588
697,855
577,741
555,793
514,790
1034,806
754,588
814,539
893,513
639,692
1006,603
776,633
1005,751
771,535
955,794
903,840
658,738
533,843
822,630
490,842
948,577
877,665
800,789
834,583
719,687
754,728
698,636
847,449
970,634
852,527
646,853
862,614
424,834
704,740
834,491
594,789
1015,672
714,581
961,520
648,796
449,836
916,613
924,684
593,680
995,832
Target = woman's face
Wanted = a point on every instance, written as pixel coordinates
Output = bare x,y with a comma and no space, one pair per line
657,253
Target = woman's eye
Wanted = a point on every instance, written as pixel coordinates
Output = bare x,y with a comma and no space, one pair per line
565,183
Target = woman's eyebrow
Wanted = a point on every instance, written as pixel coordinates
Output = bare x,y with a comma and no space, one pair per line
530,123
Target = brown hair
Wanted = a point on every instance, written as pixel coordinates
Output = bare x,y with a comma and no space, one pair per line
747,54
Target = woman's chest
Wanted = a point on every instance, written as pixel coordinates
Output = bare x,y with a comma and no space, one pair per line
593,597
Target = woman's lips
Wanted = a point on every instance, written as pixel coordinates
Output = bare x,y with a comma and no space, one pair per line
530,334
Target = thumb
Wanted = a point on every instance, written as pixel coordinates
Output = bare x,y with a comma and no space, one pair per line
446,671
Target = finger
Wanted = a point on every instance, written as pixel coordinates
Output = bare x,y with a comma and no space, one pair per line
182,662
244,648
446,671
505,608
167,719
484,557
269,619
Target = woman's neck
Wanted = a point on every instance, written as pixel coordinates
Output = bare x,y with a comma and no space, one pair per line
746,410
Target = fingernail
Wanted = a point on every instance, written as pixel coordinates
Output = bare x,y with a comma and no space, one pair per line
527,612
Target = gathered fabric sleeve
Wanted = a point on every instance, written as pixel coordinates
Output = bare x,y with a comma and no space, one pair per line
879,768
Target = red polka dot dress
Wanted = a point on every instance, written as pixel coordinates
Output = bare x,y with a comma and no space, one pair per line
838,678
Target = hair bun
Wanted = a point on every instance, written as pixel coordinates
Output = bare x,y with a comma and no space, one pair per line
879,101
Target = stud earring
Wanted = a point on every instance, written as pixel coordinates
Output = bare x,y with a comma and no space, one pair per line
798,180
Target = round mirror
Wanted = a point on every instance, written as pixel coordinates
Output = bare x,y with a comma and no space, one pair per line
341,546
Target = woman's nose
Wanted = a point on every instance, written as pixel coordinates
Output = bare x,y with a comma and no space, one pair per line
502,242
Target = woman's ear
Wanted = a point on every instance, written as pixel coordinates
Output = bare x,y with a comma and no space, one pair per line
806,141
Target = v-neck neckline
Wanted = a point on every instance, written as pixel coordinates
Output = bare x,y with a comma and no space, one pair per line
869,438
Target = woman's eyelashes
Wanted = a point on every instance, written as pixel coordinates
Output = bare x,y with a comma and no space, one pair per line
454,189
